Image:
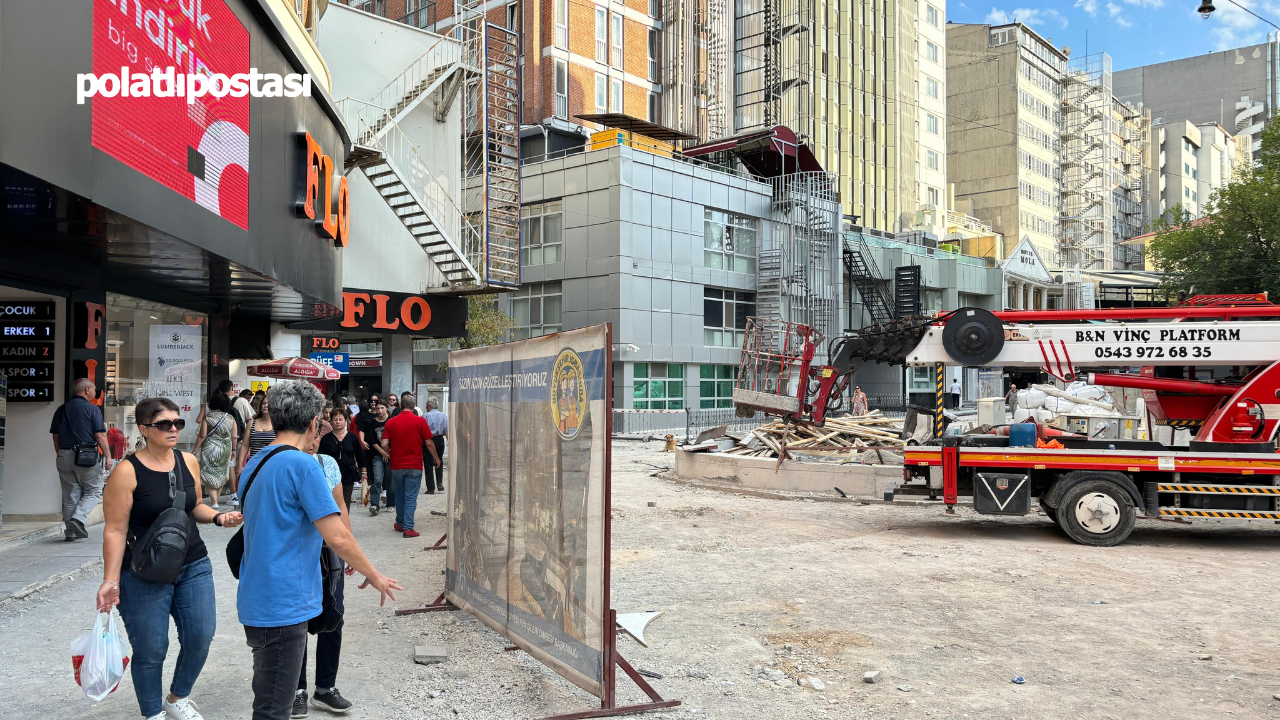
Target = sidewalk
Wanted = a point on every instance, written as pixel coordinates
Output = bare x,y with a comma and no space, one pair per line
41,557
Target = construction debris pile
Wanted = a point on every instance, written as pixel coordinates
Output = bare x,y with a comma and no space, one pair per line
842,436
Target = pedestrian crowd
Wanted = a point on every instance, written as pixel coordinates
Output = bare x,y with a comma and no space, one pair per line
289,460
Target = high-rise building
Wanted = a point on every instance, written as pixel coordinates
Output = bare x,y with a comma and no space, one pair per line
1237,89
930,131
841,74
1005,97
1190,163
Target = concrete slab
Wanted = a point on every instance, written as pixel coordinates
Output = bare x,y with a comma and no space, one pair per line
430,654
794,475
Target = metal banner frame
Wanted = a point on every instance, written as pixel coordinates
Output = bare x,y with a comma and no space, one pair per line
611,659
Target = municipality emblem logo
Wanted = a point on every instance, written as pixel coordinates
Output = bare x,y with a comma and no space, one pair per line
568,394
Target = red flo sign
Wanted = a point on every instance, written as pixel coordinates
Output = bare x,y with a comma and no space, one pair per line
198,149
316,196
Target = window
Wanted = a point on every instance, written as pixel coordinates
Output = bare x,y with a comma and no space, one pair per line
931,88
654,110
728,242
931,15
1186,192
931,123
513,17
562,89
658,386
536,310
1194,197
922,378
562,24
931,51
602,36
1186,169
715,385
655,8
616,37
935,196
601,92
931,159
654,48
724,316
615,95
542,233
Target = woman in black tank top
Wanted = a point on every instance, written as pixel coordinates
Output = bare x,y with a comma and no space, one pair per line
136,493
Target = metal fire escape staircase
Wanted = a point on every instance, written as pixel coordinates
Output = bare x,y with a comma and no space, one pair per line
474,243
865,276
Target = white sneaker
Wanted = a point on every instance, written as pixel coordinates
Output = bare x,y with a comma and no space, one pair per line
161,716
183,709
214,506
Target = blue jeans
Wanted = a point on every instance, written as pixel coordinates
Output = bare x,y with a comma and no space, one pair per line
145,608
378,471
406,484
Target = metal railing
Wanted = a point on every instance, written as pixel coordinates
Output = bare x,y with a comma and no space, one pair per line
685,424
682,159
406,87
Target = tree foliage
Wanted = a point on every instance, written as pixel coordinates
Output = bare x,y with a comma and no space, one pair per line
487,324
1235,246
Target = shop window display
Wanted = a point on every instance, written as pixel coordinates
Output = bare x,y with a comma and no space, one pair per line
154,350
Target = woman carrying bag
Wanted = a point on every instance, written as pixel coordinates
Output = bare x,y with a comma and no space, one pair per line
216,445
344,447
138,495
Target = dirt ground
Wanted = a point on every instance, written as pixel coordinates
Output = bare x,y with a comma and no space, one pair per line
1177,622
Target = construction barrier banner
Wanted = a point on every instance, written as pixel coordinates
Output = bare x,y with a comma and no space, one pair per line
528,496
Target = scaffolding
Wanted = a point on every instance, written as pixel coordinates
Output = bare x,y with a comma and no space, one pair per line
773,51
800,279
1086,235
1134,133
695,41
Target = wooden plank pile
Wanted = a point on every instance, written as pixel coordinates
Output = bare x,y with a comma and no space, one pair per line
842,435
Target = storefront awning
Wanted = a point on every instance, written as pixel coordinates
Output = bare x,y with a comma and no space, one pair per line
620,121
766,153
295,367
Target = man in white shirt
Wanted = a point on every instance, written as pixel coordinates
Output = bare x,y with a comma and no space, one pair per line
243,406
439,424
955,393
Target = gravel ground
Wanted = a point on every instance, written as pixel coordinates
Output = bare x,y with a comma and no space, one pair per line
1177,622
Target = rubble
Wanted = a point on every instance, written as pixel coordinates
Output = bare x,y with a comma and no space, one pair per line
853,435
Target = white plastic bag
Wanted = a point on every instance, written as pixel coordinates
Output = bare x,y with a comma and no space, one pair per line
1031,399
1059,405
100,657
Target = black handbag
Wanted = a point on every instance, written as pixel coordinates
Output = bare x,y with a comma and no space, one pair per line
330,617
235,546
159,553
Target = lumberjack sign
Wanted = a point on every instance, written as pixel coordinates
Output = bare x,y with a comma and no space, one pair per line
315,187
397,313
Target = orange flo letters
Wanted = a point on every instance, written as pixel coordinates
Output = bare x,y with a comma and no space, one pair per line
354,303
315,186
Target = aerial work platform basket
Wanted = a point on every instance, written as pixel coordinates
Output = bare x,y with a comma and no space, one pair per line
773,375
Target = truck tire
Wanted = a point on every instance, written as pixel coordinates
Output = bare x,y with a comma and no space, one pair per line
1097,512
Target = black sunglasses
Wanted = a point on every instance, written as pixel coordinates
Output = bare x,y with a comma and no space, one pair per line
173,484
166,425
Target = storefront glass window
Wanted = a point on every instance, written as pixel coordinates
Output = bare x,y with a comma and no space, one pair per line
154,350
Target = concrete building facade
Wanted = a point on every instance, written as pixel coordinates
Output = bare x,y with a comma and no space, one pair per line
1191,162
1004,131
1237,89
930,132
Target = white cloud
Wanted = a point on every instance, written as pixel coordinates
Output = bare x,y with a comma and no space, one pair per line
1123,23
1089,6
1233,27
1146,3
1028,16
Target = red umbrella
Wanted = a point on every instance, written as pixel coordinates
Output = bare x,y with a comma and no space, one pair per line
295,367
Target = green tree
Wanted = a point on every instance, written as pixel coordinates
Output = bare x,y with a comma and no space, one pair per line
486,325
1235,246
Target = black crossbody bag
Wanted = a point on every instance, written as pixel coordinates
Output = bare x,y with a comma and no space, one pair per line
235,546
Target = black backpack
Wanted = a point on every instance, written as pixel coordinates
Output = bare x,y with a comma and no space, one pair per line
235,546
159,553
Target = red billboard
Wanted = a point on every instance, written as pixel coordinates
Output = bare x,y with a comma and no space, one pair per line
198,146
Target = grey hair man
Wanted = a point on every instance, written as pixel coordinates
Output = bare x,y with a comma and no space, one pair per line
79,435
439,424
289,511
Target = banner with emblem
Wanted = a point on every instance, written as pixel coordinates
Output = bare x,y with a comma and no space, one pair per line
529,496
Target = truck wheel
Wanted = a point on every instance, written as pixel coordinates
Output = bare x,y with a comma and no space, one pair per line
1097,512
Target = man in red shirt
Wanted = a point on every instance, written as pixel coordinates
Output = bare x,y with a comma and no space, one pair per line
403,438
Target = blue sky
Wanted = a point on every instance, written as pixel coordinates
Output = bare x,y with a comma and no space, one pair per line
1133,32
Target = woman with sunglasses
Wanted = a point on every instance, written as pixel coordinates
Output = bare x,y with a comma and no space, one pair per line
138,490
259,433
